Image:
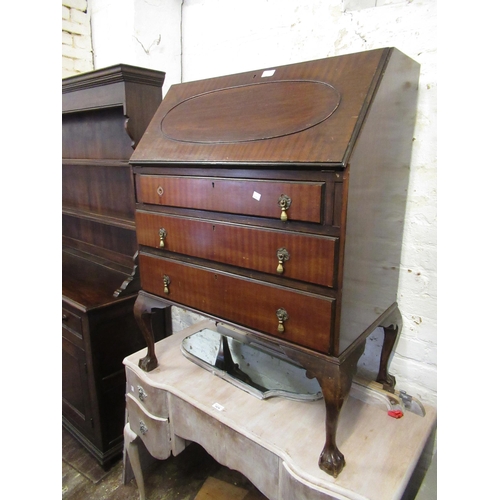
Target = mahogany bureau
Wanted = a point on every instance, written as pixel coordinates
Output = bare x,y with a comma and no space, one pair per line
104,114
274,201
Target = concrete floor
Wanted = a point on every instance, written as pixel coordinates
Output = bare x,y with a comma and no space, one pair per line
193,475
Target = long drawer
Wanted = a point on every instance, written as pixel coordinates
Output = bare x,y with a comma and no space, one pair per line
297,256
295,316
302,201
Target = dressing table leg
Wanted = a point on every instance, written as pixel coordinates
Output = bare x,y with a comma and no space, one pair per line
132,454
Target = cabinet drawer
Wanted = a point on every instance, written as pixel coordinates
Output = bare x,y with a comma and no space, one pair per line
237,196
239,300
154,431
307,258
72,321
72,328
153,399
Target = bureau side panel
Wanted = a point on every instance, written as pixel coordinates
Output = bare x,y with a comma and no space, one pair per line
377,182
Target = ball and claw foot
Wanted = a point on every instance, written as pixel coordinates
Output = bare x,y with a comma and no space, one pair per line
331,461
148,363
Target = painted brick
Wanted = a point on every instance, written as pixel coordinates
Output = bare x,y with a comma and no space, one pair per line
82,66
83,42
410,370
72,27
67,38
76,39
75,53
79,17
68,64
76,4
413,348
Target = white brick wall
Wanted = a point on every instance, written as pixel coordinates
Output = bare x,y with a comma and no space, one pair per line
77,54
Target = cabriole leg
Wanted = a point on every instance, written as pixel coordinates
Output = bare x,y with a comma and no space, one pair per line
392,327
335,378
145,309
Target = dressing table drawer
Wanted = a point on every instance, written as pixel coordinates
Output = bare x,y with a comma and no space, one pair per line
154,431
154,400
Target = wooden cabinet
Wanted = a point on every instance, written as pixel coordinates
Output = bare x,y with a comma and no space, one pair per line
274,201
105,113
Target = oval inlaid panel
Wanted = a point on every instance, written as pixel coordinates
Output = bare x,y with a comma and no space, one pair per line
251,112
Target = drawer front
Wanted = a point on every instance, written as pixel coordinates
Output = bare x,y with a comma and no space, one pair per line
236,196
72,321
306,258
154,431
72,328
153,399
248,303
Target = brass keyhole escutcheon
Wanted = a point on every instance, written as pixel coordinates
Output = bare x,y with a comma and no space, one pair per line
283,256
284,202
282,317
166,283
162,234
159,190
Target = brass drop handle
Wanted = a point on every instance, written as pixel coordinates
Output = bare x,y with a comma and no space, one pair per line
166,282
142,393
283,256
162,234
282,317
284,202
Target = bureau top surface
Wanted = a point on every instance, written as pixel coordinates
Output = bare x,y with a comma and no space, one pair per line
307,113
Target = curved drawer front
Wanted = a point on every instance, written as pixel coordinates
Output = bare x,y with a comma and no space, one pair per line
236,196
154,431
305,257
248,303
153,399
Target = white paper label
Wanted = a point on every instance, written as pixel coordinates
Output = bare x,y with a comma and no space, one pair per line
256,196
218,407
268,72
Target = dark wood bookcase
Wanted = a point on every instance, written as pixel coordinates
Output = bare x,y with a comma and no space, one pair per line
104,114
